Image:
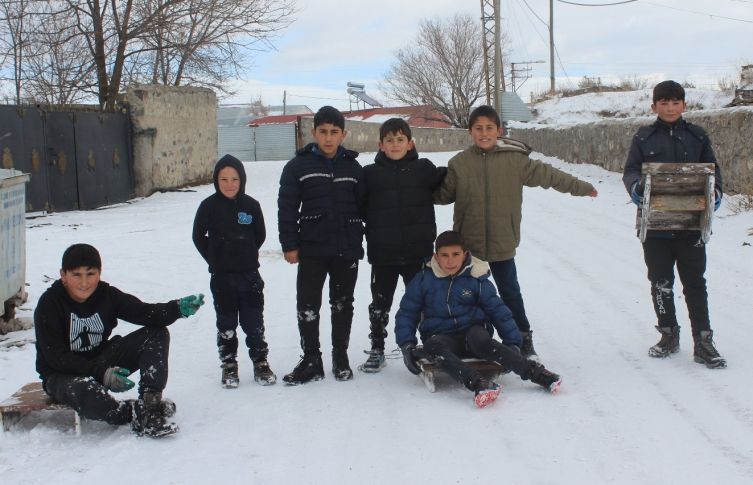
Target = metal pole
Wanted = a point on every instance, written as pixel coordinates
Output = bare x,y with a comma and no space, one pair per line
551,44
497,57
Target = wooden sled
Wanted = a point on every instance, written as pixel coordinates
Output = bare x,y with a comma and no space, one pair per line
30,398
428,369
677,197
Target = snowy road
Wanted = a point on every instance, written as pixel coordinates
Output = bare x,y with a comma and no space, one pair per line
621,417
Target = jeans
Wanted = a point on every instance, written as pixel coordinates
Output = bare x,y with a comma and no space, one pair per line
506,278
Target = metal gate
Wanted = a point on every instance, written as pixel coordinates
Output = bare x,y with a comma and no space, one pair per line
77,160
275,141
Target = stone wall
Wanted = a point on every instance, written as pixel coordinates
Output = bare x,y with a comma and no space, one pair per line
174,136
606,143
364,137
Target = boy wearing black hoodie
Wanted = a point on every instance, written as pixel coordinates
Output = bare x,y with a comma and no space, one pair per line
228,231
400,224
77,360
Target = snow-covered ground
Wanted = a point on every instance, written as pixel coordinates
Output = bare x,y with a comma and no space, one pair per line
620,417
628,104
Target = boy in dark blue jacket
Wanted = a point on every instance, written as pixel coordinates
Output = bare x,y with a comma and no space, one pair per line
456,308
671,139
320,220
400,224
228,231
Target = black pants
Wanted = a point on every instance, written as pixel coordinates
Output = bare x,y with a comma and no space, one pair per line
342,282
383,285
239,297
689,255
447,350
506,278
145,350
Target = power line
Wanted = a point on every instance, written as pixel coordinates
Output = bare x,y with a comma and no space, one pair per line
699,13
596,4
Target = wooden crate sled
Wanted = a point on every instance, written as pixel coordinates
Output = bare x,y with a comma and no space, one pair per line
677,196
29,398
428,369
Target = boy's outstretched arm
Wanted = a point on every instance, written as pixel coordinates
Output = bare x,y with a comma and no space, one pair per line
536,173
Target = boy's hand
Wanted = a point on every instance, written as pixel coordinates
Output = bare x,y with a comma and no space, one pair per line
636,193
410,357
593,193
291,256
189,305
116,379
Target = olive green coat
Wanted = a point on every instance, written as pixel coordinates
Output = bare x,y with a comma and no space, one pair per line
487,189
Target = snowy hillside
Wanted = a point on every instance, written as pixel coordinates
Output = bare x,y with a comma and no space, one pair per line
598,106
621,417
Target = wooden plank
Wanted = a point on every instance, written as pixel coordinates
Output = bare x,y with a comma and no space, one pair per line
475,364
31,397
678,168
682,203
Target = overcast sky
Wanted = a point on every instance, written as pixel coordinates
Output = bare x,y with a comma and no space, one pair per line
332,42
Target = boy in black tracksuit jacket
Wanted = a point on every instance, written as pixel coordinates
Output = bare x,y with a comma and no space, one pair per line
228,231
320,220
77,360
400,224
672,139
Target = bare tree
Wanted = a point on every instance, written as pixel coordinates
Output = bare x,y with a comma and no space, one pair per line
212,41
15,19
443,66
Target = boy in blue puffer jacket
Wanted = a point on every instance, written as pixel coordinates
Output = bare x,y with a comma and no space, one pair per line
456,309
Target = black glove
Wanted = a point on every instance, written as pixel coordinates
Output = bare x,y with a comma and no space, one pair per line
116,379
514,348
410,357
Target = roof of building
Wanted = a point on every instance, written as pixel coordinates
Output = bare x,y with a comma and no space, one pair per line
416,116
242,114
513,108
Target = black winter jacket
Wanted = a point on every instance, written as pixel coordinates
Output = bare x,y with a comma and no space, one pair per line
70,335
320,213
400,222
683,142
229,232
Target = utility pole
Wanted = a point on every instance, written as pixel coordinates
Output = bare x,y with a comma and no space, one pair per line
551,44
490,38
284,102
497,59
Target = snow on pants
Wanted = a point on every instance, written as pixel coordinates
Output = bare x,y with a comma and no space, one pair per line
448,350
505,276
689,255
342,282
145,350
239,297
383,285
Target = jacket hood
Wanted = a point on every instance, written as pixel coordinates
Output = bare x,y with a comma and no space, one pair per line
507,145
474,266
382,159
230,161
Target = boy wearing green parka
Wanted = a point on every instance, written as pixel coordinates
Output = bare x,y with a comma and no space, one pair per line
486,184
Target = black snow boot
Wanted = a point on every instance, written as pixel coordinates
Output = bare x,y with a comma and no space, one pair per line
374,363
546,379
310,368
263,373
669,343
148,418
230,378
341,365
486,392
705,353
168,408
527,350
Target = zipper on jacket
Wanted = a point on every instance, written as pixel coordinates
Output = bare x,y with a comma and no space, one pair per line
399,204
447,301
486,203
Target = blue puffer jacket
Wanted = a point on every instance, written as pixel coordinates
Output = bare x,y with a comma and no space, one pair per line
320,211
437,303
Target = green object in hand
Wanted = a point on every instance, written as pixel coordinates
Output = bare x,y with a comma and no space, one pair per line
116,379
189,305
